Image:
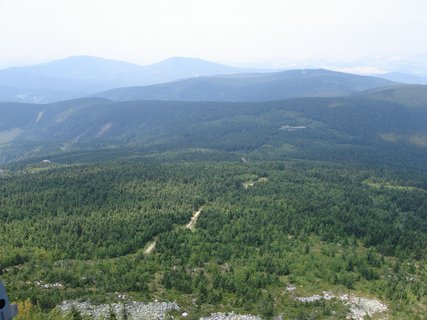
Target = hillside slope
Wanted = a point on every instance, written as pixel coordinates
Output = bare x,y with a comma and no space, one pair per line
409,95
89,74
403,78
346,128
253,87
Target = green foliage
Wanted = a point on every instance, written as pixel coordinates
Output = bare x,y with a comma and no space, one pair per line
356,129
314,225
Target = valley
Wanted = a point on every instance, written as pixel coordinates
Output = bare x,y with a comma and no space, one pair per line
278,201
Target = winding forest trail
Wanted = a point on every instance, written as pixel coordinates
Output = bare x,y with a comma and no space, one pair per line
191,225
150,247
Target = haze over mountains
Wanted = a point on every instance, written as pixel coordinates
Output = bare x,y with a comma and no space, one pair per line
253,87
254,136
208,115
403,78
81,76
220,108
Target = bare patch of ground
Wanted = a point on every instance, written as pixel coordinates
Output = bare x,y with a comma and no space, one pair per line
190,225
251,183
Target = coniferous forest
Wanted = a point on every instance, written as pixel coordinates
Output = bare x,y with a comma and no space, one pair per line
303,208
263,226
213,160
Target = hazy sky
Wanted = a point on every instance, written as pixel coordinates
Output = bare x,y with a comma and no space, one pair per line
228,31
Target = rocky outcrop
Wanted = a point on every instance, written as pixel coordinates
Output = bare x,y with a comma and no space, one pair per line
359,307
230,316
134,310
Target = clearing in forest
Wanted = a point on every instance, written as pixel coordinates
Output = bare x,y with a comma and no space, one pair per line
251,183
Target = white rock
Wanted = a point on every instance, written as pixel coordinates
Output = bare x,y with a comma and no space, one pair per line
135,310
360,307
230,316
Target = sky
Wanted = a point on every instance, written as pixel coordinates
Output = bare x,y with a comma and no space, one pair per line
236,32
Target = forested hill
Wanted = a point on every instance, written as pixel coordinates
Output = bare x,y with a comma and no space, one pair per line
357,128
269,233
88,73
294,199
80,76
409,95
253,87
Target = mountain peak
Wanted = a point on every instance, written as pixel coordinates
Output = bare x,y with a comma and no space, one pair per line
86,60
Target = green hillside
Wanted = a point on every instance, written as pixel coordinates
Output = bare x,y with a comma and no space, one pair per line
356,129
253,87
410,95
79,76
241,207
263,227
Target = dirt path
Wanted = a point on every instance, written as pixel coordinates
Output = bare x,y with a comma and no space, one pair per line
150,248
192,224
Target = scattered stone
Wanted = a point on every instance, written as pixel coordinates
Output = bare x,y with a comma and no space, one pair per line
313,298
134,310
230,316
360,307
122,296
290,288
49,285
185,314
328,295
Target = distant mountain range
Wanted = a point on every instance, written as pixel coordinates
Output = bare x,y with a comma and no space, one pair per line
403,78
380,125
82,75
253,87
